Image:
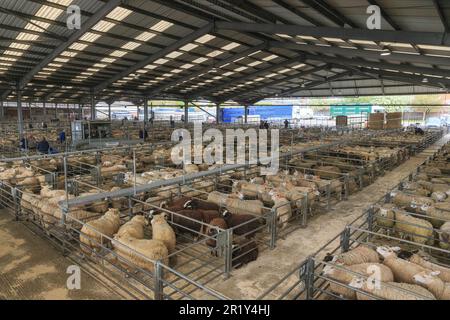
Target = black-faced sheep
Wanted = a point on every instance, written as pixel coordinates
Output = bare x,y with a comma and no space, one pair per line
242,224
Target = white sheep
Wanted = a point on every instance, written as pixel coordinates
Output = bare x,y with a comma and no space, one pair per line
345,275
133,228
93,232
404,200
434,284
358,255
282,207
403,270
162,231
444,236
141,253
389,290
444,272
438,214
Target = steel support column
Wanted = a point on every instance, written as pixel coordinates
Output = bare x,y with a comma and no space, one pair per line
245,114
19,111
145,110
2,110
109,111
186,111
218,118
93,106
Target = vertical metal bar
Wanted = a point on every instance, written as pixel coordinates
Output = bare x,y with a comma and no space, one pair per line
228,252
345,239
186,112
328,196
92,106
134,170
16,204
309,278
158,291
273,228
305,210
19,111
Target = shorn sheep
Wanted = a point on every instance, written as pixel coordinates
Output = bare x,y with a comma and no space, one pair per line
162,231
390,291
282,207
346,274
361,254
434,284
403,270
93,232
409,201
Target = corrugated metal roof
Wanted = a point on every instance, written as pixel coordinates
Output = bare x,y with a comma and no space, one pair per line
139,29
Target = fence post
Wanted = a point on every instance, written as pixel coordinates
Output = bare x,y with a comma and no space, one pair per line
16,204
228,248
305,210
158,292
273,228
346,178
309,278
329,196
345,239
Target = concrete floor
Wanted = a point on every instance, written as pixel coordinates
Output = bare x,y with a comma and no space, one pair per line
254,279
31,268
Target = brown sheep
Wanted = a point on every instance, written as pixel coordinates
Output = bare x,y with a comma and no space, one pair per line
246,224
244,252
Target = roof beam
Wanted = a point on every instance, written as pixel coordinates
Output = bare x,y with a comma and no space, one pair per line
249,76
382,65
85,26
441,14
160,54
359,53
218,64
329,12
276,82
429,38
299,13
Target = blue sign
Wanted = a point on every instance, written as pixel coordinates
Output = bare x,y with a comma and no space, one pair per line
265,113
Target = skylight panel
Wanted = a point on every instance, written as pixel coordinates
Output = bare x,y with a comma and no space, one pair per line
90,37
254,63
103,26
206,38
119,14
68,54
284,70
64,60
37,26
229,73
230,46
271,57
240,69
78,46
187,66
150,67
200,60
131,45
161,61
174,54
108,60
26,36
13,53
189,47
214,53
47,12
162,26
118,53
145,36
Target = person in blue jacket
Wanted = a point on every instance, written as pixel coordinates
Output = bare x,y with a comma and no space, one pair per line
62,137
43,146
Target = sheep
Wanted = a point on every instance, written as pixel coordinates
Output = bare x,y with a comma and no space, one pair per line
218,198
444,236
413,202
100,206
244,251
440,187
133,228
418,230
358,255
430,281
239,206
213,230
141,252
438,196
188,221
390,291
283,209
242,224
93,232
176,204
209,215
195,203
163,232
444,274
345,274
437,214
403,270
